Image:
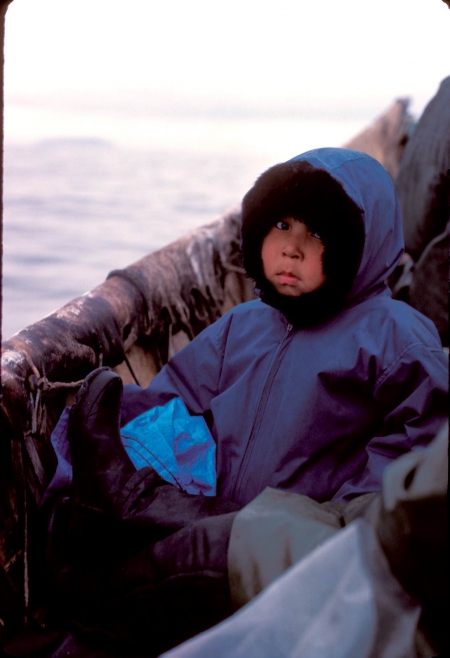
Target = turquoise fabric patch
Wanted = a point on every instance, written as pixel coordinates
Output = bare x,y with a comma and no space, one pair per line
178,446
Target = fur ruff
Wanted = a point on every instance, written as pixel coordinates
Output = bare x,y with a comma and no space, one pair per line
313,196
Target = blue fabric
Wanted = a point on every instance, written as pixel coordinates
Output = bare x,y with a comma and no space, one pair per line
179,447
320,411
62,478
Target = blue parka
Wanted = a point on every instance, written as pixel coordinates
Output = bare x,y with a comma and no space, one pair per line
317,410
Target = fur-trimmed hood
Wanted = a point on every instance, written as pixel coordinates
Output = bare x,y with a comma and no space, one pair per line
346,196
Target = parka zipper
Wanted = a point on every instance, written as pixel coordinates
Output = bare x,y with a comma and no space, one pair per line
273,369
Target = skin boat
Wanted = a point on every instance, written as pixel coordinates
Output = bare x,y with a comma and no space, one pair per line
133,322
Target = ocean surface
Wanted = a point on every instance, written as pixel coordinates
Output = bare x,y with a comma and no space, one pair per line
77,208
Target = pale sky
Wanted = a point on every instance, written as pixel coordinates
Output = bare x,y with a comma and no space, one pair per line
235,58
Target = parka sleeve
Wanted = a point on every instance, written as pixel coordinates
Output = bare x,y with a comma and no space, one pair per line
413,398
192,375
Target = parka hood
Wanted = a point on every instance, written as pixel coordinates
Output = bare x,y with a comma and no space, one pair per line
350,198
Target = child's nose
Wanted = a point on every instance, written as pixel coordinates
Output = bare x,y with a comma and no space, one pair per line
292,248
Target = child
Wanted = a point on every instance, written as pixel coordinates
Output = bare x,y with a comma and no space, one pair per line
319,384
313,388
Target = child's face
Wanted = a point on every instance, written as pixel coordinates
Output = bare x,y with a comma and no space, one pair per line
292,258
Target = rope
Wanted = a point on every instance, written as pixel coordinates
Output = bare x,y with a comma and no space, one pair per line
131,369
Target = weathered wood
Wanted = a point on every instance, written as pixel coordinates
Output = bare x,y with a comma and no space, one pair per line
136,319
423,186
386,138
138,310
423,182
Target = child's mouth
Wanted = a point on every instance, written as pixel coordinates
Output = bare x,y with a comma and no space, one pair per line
288,278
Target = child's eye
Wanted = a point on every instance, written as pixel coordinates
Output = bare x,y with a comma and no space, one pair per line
316,235
282,225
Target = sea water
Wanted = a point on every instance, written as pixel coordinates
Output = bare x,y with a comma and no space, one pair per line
77,208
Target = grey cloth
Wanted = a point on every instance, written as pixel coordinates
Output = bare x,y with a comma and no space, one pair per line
275,531
411,521
341,601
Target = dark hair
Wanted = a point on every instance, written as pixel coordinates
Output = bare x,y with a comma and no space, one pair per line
296,189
